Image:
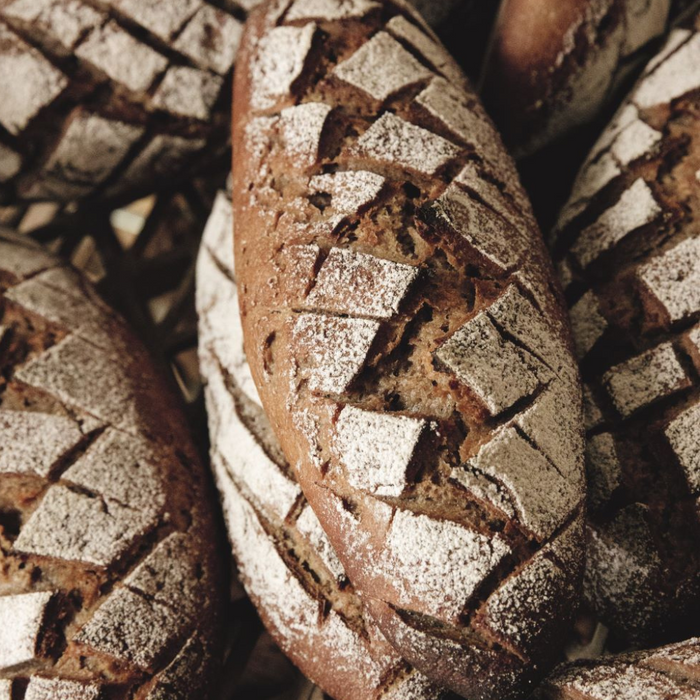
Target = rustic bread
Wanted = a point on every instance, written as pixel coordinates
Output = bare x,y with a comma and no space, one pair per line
402,330
553,64
109,587
668,673
285,560
628,250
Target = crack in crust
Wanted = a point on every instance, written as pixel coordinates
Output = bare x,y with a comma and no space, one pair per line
109,583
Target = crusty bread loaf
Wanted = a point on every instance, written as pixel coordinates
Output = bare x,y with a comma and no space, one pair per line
402,331
285,560
629,254
553,64
668,673
109,586
112,98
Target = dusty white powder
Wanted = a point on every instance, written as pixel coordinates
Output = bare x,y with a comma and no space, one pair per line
52,688
188,91
163,19
587,323
301,128
21,620
329,10
602,469
309,526
683,433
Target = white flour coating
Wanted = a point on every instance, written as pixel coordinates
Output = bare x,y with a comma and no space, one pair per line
590,180
673,78
163,19
602,469
497,370
376,449
350,192
360,284
10,163
438,562
21,453
125,60
87,154
282,54
332,350
95,382
329,10
53,688
674,279
211,39
694,337
683,434
41,82
686,653
5,689
675,39
639,381
587,323
541,496
381,67
634,141
301,127
414,686
65,21
636,207
80,527
310,528
484,488
21,621
121,468
188,91
394,141
431,51
133,629
218,232
495,239
16,260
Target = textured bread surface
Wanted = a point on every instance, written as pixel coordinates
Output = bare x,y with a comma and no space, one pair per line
553,65
109,587
667,673
628,250
285,560
112,98
405,337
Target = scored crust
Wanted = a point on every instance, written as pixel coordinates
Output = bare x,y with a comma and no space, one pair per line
390,280
285,560
628,251
108,583
667,673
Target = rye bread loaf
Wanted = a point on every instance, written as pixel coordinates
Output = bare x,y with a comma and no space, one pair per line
109,587
285,559
554,64
628,250
667,673
403,331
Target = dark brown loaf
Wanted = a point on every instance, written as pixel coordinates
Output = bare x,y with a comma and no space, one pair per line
285,560
410,354
109,587
628,248
553,64
668,673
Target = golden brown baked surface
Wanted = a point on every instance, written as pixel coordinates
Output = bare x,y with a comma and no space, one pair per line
108,581
405,338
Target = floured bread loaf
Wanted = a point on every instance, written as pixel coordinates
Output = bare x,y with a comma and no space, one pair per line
108,583
668,673
285,559
401,328
628,248
553,65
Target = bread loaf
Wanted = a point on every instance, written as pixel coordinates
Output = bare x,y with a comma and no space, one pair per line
402,330
628,251
285,559
554,64
670,672
109,587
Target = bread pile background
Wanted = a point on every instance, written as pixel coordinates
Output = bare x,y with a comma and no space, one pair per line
453,456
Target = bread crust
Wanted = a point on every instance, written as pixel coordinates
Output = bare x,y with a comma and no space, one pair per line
627,250
109,581
553,66
371,313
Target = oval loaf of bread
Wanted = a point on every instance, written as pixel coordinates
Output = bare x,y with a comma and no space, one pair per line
553,64
667,673
285,560
402,330
628,247
109,588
